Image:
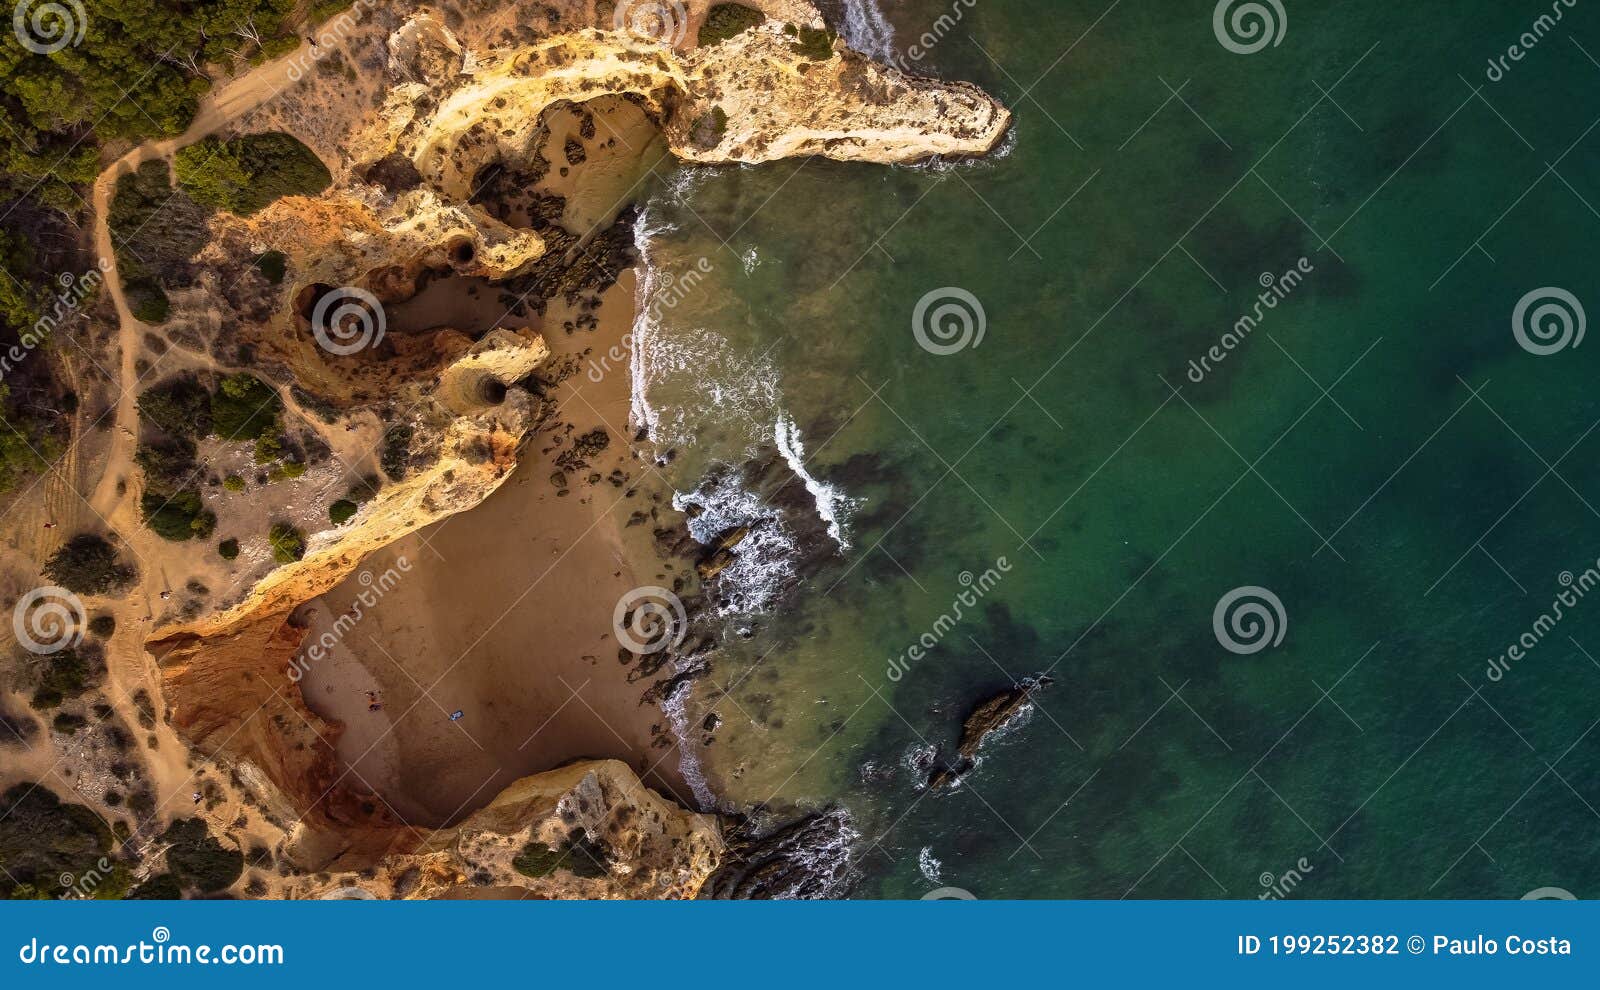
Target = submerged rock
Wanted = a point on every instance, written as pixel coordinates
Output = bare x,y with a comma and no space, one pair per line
989,717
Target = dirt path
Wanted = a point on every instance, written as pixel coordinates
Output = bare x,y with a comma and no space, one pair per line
221,108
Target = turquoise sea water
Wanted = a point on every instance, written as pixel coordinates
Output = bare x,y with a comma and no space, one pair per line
1379,453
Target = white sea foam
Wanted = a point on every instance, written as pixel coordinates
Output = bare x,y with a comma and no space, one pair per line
676,708
928,865
866,29
764,563
832,504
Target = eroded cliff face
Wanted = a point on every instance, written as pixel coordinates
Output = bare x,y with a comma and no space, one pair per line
401,214
588,830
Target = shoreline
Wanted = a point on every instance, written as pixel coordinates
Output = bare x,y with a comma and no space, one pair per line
538,680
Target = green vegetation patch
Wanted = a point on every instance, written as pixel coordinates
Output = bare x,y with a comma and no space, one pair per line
243,175
726,20
341,511
228,549
578,856
198,860
65,674
177,517
288,543
815,44
396,456
179,407
272,265
43,840
244,408
88,565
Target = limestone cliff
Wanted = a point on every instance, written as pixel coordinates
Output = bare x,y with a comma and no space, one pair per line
408,148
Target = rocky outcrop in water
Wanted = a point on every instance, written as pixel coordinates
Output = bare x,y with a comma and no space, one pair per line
807,859
989,717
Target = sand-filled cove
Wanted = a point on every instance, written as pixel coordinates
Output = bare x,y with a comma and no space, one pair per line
503,613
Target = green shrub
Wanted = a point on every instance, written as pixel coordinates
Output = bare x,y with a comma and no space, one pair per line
198,860
293,469
179,407
164,887
66,674
815,44
272,265
68,723
233,483
228,549
42,840
341,511
245,174
288,544
168,463
577,855
244,408
177,517
88,565
103,626
148,302
396,456
726,20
